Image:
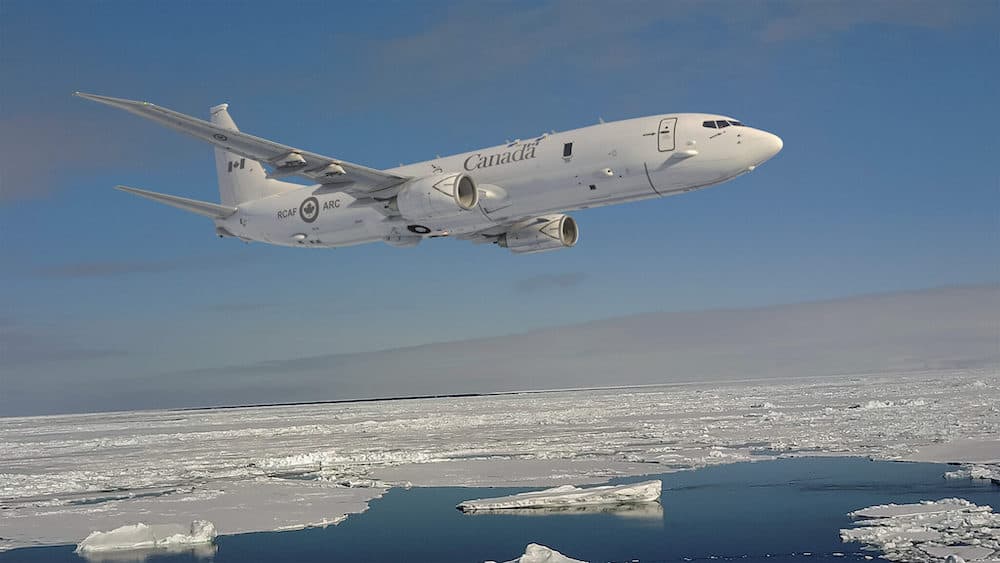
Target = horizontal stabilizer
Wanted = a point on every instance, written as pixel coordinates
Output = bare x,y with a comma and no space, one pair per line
213,210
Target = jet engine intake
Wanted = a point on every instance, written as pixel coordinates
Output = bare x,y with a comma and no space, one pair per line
437,196
540,234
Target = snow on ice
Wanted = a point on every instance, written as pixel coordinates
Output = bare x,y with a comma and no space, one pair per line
944,530
142,537
985,451
63,476
568,496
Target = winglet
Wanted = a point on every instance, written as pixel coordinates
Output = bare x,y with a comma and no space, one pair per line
120,103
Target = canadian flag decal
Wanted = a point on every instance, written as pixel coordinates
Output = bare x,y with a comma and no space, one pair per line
237,165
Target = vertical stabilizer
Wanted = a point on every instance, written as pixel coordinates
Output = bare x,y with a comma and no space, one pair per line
241,179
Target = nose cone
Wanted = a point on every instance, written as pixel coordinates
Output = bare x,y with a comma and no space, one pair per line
773,143
762,146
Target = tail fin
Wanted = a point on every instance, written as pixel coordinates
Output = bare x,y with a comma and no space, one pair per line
241,179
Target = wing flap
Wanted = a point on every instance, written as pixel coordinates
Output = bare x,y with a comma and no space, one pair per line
285,160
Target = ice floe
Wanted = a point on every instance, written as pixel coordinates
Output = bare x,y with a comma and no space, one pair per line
536,553
144,536
569,496
985,472
234,506
930,531
964,450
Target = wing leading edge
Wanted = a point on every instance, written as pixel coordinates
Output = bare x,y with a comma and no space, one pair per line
283,159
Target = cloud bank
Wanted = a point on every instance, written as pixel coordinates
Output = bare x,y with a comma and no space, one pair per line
951,328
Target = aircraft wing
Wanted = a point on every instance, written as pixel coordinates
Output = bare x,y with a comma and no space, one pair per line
283,159
489,234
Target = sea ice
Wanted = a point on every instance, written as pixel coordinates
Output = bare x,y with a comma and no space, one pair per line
144,536
962,450
268,468
985,472
925,507
929,531
568,495
536,553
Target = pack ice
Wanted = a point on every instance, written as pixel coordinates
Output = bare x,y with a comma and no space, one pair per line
143,537
944,530
272,468
985,472
568,495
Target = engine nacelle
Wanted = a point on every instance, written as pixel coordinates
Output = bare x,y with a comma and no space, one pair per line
437,196
548,232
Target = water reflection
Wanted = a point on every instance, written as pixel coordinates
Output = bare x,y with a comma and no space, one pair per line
645,510
196,552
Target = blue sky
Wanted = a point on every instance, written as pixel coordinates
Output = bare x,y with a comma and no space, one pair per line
887,181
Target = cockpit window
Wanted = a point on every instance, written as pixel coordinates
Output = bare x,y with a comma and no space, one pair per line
720,123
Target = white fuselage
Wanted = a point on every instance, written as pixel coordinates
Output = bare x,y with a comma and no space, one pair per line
608,163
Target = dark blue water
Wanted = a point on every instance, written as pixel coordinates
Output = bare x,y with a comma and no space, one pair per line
766,511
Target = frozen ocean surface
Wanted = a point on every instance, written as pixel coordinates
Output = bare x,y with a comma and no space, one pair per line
282,468
929,531
777,511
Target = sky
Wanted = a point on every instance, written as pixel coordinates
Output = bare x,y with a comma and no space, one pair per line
887,180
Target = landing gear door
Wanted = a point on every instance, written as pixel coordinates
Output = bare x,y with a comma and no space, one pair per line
665,134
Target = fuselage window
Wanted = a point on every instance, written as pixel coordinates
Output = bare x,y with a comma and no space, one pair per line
567,150
709,124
